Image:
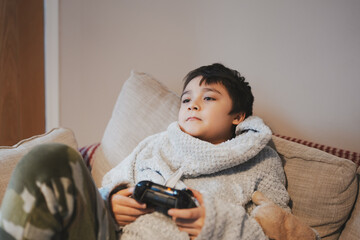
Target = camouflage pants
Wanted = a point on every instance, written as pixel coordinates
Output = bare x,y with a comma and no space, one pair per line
51,195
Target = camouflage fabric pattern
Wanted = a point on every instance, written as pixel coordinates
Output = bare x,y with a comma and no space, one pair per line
51,195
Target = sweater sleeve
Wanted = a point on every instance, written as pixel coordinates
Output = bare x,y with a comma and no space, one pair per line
271,179
124,172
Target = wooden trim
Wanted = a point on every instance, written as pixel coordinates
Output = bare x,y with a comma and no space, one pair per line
52,105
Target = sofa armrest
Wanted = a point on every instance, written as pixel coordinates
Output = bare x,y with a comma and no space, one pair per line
322,187
352,230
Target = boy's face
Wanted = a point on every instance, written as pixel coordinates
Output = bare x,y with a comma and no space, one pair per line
204,112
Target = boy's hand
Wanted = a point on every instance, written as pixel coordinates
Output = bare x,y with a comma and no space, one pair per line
126,209
190,220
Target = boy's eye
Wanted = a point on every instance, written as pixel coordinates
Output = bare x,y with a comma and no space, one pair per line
185,100
209,99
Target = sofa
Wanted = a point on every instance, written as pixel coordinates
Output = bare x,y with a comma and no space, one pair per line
323,182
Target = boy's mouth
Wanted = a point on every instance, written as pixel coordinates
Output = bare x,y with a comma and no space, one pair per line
193,119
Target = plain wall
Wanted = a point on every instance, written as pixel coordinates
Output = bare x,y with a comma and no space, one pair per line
302,59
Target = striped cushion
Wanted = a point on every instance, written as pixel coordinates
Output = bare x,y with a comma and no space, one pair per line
87,152
353,156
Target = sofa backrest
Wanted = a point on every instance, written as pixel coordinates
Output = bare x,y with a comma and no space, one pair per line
322,186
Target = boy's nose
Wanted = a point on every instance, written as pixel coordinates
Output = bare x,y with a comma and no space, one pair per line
193,107
194,104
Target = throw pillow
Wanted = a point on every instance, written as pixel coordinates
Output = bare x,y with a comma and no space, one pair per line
144,107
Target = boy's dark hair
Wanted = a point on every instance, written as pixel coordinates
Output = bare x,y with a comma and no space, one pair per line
239,90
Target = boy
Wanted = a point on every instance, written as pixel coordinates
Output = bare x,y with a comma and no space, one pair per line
215,148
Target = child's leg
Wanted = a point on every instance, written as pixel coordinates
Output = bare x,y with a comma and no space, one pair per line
51,195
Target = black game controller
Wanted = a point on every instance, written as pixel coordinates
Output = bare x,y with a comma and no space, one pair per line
163,196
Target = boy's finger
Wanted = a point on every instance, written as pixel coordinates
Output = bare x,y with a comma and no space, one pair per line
130,211
125,218
198,196
122,200
190,213
126,192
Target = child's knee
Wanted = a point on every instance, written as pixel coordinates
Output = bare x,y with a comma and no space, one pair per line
50,152
47,159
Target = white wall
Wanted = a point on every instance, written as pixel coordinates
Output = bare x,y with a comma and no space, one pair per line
302,58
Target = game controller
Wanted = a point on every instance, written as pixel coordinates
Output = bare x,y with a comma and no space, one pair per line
163,196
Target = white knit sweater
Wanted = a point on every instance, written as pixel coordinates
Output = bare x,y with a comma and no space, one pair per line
226,174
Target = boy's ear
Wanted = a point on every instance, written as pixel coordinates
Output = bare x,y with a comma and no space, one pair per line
239,117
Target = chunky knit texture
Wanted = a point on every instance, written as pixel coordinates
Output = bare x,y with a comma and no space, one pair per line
226,174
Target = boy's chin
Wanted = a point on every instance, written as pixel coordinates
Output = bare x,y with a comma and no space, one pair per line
194,132
190,131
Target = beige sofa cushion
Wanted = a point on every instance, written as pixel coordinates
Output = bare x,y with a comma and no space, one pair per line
10,156
144,107
322,186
